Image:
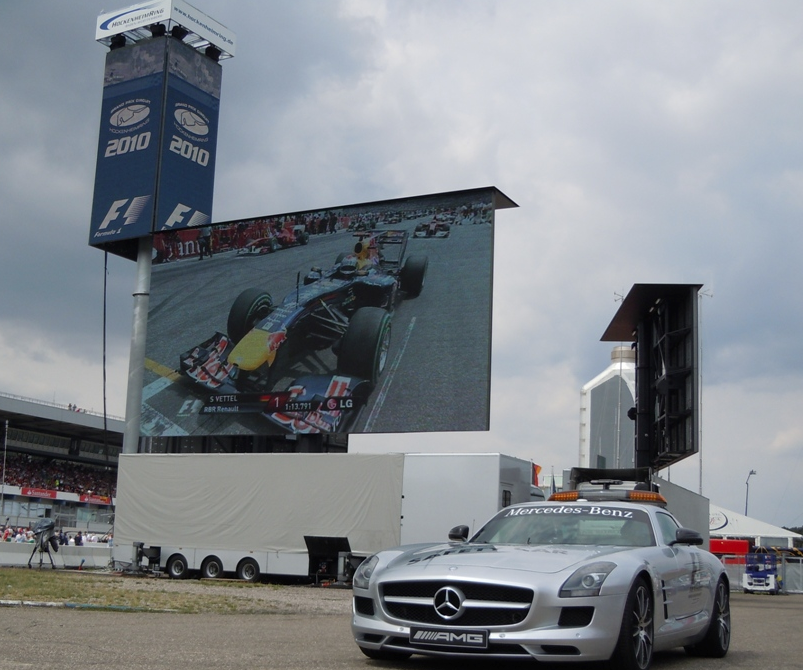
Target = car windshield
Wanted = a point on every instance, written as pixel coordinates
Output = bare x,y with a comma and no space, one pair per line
569,524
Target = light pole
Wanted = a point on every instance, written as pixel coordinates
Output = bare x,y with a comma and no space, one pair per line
747,489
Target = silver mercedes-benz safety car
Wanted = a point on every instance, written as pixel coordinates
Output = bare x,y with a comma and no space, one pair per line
584,577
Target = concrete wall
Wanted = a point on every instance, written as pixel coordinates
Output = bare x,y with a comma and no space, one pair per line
93,556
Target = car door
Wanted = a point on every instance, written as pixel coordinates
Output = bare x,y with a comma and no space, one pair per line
691,584
665,562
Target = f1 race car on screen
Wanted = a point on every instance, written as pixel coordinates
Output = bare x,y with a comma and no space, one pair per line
347,308
438,226
287,235
595,574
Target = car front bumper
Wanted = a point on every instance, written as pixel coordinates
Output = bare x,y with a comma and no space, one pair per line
540,636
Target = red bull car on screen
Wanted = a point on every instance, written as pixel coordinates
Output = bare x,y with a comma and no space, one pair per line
348,308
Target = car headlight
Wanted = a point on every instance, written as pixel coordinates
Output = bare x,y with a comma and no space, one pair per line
586,581
363,574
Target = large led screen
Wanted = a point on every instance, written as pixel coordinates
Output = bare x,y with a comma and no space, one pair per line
371,318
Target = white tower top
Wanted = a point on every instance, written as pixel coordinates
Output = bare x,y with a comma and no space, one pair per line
159,17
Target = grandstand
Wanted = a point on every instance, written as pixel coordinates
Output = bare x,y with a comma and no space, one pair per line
60,461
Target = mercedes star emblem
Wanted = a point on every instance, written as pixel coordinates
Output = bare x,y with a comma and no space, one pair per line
448,602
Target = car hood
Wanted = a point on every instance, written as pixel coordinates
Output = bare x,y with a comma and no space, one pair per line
546,559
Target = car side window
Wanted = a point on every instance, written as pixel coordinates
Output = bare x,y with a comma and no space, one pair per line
667,526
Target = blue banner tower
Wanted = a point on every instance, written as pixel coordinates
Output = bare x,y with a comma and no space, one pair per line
158,131
155,166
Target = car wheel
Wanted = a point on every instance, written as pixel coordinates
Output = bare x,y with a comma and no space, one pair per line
380,655
248,570
177,567
634,648
717,639
211,568
364,348
250,307
412,275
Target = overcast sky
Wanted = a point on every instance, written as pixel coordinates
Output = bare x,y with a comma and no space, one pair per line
644,142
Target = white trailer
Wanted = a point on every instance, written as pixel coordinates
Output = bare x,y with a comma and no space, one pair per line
300,515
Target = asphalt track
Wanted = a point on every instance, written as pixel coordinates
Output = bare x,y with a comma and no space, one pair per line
438,371
766,634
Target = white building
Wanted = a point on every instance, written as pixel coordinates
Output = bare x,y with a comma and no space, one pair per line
607,435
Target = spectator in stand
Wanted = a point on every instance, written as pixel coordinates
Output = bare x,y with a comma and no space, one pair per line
38,472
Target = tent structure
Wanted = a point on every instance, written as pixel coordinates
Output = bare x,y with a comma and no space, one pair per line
725,523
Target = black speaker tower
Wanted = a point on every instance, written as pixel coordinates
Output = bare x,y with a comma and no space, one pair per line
661,320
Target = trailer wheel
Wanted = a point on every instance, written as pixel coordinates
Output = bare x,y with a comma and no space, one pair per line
248,570
177,567
211,568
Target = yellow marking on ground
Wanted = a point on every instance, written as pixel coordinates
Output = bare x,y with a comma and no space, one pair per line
162,370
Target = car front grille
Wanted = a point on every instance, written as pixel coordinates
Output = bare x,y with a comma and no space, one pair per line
483,604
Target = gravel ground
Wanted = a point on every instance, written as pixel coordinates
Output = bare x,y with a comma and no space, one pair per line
281,599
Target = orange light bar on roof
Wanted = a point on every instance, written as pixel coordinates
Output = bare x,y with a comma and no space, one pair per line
610,496
565,496
646,496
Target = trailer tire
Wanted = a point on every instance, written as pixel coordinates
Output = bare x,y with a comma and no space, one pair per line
248,570
211,568
177,567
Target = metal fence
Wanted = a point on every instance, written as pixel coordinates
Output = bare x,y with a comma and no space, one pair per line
790,568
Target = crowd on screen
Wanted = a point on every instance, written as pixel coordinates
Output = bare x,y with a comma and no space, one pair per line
54,475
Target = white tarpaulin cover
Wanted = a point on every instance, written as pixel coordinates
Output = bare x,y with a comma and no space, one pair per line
726,523
268,502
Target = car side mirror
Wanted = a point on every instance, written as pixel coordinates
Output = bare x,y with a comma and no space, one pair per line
686,536
458,534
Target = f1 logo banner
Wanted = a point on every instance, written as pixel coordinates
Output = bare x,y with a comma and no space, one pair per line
189,141
158,136
128,148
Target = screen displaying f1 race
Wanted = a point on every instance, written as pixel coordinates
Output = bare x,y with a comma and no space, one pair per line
370,318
